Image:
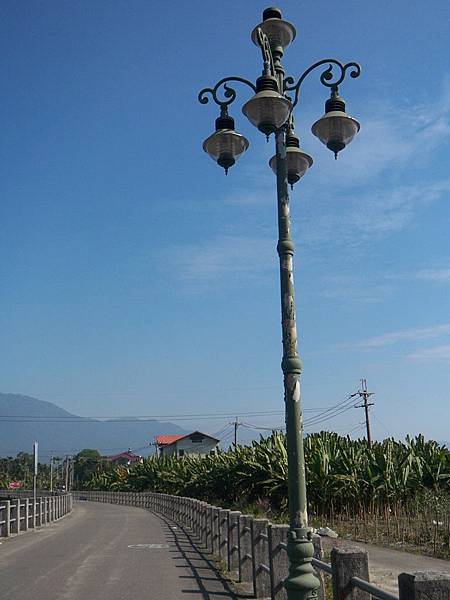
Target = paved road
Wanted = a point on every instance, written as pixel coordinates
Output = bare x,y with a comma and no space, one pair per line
94,554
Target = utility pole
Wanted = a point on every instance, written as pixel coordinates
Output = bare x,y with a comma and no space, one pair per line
364,394
72,472
236,425
157,454
51,472
35,473
67,472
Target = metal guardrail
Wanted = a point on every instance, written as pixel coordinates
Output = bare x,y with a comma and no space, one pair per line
365,586
357,582
323,566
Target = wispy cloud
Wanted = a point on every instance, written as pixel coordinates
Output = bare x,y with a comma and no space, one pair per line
436,275
391,137
374,215
354,288
411,335
437,353
232,258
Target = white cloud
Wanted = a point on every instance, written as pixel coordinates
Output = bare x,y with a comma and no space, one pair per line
437,275
436,353
232,258
411,335
373,215
391,138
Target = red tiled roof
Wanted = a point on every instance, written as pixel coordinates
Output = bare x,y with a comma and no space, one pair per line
165,440
131,456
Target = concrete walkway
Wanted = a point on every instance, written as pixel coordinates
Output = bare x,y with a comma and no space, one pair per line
107,552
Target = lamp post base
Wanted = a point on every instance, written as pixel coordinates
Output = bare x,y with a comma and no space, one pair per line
301,583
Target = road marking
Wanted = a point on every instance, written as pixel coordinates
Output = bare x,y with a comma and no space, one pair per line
150,546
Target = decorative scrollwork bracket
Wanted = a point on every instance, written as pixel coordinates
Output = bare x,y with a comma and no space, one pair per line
327,77
228,92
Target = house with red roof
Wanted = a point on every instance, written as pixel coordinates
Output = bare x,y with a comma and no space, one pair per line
195,443
124,458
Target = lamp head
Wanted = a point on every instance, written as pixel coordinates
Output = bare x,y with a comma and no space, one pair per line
225,145
280,33
268,110
297,161
335,129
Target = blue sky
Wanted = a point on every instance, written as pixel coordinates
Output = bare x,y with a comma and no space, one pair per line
136,279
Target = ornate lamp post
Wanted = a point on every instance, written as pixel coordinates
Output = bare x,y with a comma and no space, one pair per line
271,111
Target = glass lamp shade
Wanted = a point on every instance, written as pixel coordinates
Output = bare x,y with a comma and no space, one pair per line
267,111
297,163
225,146
280,33
336,130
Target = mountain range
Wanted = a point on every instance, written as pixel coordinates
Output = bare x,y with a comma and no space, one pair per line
24,420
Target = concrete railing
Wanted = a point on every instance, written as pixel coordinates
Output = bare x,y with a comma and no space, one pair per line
254,551
18,515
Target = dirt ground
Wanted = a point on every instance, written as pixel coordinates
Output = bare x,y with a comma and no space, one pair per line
385,564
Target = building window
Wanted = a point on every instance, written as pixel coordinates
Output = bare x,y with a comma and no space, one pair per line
180,452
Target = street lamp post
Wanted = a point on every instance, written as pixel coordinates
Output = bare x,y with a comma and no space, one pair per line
271,111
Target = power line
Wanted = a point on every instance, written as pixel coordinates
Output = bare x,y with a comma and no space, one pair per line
252,426
139,418
142,418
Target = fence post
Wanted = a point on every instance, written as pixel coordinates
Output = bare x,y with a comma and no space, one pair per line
7,526
27,514
260,553
203,524
209,527
197,519
245,549
233,539
38,518
318,553
421,585
42,509
33,513
345,564
223,535
279,563
215,530
15,526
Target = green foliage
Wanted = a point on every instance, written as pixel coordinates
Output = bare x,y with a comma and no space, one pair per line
21,469
87,463
344,475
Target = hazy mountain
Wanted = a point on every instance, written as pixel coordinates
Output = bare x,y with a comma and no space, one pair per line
24,420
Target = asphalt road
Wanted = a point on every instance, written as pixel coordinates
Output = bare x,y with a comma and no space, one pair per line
106,552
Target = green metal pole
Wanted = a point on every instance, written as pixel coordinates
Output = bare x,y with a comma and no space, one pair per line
301,584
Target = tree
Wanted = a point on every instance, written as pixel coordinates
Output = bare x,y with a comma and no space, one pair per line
86,463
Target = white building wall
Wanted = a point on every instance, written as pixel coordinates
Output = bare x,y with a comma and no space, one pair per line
202,448
187,446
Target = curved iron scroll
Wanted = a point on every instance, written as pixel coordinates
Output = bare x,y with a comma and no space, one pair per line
228,92
267,55
326,78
